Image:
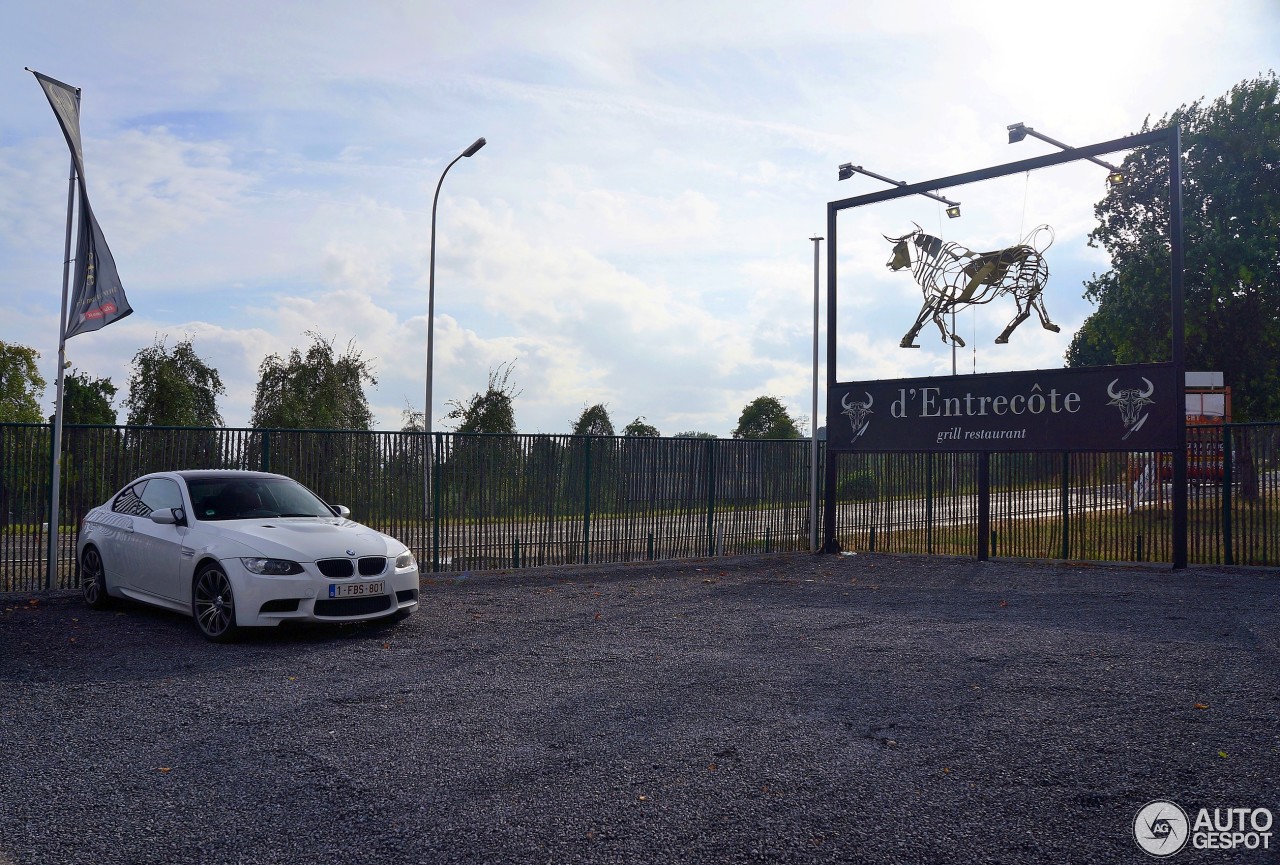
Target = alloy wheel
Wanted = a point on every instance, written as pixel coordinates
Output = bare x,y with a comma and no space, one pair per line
213,604
93,579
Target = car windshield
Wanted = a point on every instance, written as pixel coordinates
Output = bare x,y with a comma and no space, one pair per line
216,498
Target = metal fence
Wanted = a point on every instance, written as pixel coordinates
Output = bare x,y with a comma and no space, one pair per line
515,501
497,501
1086,506
536,500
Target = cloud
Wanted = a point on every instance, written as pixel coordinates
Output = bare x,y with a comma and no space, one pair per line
636,230
159,186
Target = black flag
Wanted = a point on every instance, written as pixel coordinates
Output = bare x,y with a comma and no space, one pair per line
97,297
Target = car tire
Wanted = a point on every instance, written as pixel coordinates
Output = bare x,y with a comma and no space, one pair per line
213,604
93,579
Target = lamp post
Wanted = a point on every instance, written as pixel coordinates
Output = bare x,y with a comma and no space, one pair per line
431,329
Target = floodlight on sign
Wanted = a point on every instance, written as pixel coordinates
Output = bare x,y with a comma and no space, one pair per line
849,169
1019,131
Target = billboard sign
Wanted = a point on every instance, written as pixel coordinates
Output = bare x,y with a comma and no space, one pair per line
1136,407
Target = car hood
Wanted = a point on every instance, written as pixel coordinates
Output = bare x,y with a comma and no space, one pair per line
305,539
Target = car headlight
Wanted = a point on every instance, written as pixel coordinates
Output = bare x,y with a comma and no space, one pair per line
405,560
272,567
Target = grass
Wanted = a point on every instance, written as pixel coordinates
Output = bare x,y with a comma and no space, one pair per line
1116,535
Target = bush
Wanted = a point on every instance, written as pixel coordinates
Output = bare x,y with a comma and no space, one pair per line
857,485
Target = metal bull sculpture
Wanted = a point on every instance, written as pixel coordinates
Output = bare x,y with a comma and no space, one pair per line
953,276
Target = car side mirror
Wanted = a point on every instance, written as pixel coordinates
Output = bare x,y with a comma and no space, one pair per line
169,517
340,510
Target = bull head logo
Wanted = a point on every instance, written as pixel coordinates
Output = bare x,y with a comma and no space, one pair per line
1131,401
858,414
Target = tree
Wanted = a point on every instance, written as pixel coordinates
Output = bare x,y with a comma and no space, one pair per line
694,434
87,453
594,421
411,419
173,388
88,400
21,384
1231,212
318,390
21,387
491,411
478,473
592,467
765,417
638,428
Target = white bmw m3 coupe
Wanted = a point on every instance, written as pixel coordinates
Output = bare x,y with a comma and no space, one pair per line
237,549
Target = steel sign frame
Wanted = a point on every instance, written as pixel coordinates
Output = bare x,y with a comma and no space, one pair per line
964,408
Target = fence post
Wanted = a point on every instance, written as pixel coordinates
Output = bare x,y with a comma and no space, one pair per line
1228,551
928,504
586,502
984,505
1066,505
711,497
55,505
433,455
266,450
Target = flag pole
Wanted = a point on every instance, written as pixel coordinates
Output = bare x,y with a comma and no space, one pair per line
55,446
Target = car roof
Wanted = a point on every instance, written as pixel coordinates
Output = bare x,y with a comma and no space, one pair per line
226,474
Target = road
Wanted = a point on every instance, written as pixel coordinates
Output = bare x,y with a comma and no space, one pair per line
781,709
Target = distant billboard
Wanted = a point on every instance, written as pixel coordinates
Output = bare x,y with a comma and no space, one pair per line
1136,407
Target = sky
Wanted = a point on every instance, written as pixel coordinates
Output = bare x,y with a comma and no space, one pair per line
636,232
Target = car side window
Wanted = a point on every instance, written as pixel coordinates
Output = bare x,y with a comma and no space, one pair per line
161,493
130,502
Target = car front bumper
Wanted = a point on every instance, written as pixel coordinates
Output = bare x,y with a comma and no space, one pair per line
270,600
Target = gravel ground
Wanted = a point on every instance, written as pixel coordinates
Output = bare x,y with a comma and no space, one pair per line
784,708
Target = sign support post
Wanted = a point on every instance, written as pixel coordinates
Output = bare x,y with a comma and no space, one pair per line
1178,328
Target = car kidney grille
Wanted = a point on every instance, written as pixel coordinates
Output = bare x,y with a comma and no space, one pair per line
352,606
336,569
371,566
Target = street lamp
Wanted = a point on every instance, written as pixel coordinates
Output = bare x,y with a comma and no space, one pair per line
849,169
1019,131
431,327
